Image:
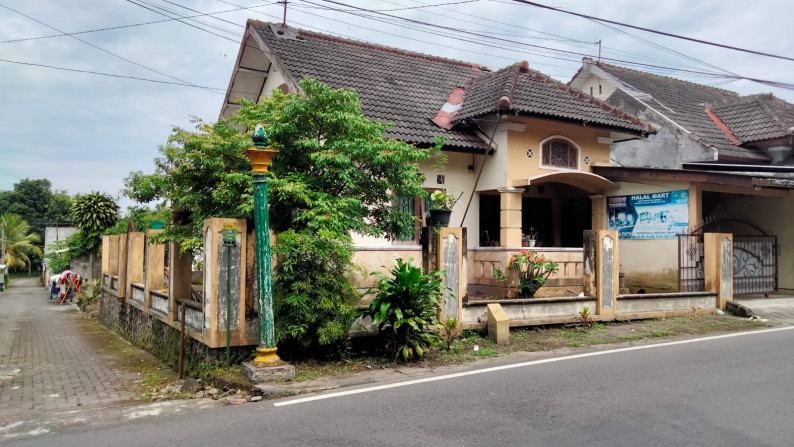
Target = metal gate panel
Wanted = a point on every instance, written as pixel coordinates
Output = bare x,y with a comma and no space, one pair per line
690,263
754,264
755,256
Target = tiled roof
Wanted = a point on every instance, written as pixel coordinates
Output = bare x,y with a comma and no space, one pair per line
410,89
395,86
685,103
758,117
520,89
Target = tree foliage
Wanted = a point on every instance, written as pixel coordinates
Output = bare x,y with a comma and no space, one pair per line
335,174
20,241
93,214
38,205
203,171
335,168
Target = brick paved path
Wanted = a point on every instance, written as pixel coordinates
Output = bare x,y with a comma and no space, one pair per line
51,357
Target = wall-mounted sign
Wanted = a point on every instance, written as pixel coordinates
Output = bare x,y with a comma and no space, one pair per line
229,233
659,215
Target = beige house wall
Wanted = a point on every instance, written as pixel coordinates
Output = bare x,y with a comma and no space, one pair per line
519,165
649,262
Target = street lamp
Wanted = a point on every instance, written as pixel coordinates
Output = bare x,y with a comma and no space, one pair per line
260,156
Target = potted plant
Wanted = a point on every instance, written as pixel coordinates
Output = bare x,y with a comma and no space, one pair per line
530,238
441,204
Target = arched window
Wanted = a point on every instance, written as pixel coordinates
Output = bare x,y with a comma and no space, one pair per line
559,153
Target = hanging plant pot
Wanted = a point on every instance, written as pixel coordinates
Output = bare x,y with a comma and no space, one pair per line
439,217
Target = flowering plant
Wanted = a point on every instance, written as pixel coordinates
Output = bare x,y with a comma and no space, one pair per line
532,269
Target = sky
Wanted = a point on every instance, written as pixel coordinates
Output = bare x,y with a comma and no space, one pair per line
86,132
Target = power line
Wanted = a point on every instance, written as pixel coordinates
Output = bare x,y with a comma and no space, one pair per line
677,36
513,42
182,21
136,24
12,175
104,50
109,75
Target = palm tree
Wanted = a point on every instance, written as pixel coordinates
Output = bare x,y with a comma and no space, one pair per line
18,241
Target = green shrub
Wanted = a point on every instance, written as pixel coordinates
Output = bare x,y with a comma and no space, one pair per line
405,310
314,302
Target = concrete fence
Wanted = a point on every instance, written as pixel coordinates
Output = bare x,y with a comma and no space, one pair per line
156,280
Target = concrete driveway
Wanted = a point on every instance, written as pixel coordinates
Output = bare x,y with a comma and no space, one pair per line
778,307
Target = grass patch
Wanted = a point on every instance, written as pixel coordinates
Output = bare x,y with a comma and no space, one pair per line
536,339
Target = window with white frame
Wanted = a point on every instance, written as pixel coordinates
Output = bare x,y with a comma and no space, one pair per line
559,153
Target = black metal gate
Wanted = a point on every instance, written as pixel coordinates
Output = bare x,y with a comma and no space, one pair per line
755,255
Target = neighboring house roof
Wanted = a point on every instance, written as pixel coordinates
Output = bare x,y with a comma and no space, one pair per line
757,117
519,89
685,103
421,94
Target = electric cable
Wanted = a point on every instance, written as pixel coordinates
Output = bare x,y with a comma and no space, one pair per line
104,50
663,33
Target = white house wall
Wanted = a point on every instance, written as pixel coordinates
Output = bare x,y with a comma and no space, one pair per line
457,180
273,81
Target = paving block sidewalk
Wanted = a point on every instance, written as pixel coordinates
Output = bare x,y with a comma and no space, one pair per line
53,359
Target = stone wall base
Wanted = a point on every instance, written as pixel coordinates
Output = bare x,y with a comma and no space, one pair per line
161,339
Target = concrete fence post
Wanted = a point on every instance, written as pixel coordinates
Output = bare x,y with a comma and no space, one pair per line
121,291
219,305
155,267
445,249
135,260
180,271
601,269
718,266
105,284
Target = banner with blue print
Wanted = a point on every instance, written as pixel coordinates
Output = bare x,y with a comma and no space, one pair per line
659,215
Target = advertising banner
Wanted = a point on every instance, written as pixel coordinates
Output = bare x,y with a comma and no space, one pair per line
659,215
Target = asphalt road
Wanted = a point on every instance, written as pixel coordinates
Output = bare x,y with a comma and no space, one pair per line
731,391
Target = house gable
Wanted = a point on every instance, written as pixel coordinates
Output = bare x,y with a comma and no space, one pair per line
678,105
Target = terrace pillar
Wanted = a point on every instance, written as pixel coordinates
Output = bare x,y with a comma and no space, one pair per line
598,206
510,217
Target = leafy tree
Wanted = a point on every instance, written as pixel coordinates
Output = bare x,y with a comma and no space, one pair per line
203,171
141,218
335,174
36,203
93,214
59,259
19,241
334,162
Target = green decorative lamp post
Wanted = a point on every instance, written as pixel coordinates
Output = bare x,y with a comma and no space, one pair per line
260,156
